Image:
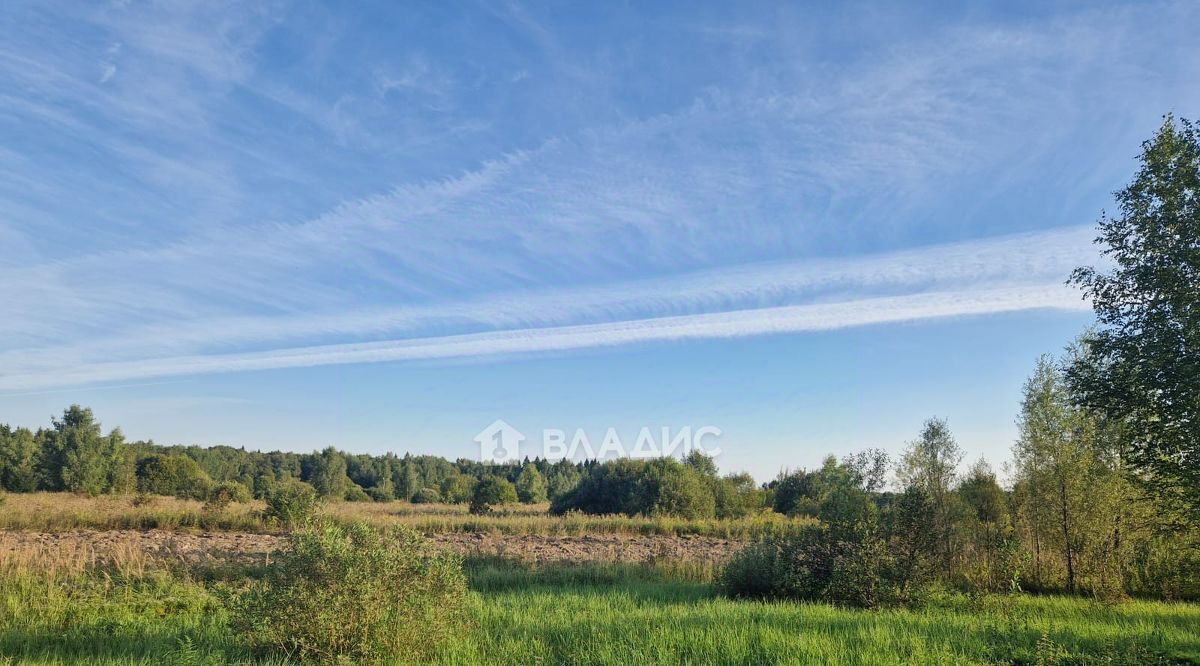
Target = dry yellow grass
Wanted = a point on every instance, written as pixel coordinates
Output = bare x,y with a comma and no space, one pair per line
62,511
70,556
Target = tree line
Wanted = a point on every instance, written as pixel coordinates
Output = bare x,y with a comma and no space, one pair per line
1105,474
74,454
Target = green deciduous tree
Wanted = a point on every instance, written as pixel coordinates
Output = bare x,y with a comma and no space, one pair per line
561,478
659,487
174,475
1066,485
328,475
406,480
18,459
737,495
1142,363
77,457
678,490
930,464
457,488
531,486
986,531
492,491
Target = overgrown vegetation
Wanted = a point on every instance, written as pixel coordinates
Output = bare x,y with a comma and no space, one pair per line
660,487
1103,502
596,614
353,592
1106,472
492,491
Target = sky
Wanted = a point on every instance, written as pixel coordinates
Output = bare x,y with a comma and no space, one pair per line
382,226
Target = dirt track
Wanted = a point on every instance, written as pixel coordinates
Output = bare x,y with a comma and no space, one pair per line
198,548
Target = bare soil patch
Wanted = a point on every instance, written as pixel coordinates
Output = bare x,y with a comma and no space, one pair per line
631,548
93,547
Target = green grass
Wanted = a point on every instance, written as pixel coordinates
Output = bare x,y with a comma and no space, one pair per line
603,614
648,622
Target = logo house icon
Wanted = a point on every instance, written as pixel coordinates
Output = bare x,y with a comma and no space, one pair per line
499,442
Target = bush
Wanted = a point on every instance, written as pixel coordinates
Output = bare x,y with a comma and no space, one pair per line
141,499
354,593
753,572
491,491
174,475
458,488
427,496
221,495
378,494
355,493
736,496
291,503
680,491
659,487
817,564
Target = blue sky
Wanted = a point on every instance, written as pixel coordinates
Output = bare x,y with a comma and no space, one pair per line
288,225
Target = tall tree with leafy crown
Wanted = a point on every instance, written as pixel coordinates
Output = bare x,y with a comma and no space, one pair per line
1141,365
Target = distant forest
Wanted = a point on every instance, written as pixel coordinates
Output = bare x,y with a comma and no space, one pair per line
75,455
1105,472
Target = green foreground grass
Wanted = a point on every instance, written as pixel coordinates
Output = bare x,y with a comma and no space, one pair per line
601,614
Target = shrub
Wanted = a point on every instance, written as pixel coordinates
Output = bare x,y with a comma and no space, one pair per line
221,495
378,494
752,572
491,491
736,496
817,564
355,493
141,499
458,488
681,491
659,487
427,496
174,475
291,503
353,592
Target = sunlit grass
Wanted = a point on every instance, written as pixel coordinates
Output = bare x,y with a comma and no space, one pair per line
63,511
54,512
673,622
598,614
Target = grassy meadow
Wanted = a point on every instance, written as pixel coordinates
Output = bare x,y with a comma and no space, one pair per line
592,614
65,511
60,607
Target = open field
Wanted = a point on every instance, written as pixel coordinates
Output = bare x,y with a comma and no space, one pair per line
64,511
594,614
117,581
103,547
543,590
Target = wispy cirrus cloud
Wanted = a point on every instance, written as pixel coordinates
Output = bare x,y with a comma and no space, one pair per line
729,324
234,210
975,277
